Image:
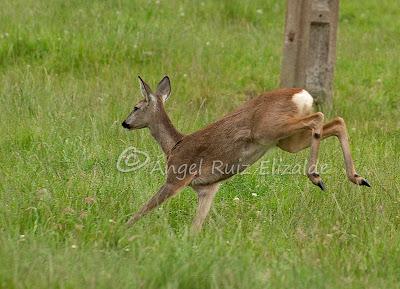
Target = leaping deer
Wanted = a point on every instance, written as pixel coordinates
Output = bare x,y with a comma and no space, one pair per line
282,118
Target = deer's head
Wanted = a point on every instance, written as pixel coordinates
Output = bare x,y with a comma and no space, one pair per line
147,110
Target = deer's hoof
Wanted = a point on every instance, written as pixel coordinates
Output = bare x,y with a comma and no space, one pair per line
364,182
321,185
316,180
358,180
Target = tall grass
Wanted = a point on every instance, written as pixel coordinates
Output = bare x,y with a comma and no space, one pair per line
68,78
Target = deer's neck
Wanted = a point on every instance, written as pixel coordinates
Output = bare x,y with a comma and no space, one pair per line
164,132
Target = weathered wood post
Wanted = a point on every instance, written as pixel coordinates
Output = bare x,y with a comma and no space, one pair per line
309,52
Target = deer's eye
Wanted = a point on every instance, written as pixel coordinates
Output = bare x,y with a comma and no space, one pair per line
135,108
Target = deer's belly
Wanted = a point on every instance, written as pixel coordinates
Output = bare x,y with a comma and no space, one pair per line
252,152
216,170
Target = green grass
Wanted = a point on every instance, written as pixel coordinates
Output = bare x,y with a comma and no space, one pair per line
68,78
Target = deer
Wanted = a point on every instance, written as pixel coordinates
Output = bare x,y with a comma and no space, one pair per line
282,118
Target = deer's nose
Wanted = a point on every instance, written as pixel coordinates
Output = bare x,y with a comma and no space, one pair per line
125,125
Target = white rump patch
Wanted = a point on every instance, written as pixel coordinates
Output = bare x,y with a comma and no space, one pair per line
303,101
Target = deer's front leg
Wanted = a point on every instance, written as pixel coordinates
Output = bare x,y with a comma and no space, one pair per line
206,196
169,189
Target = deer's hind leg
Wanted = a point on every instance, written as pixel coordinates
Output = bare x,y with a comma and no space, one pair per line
170,188
336,127
314,124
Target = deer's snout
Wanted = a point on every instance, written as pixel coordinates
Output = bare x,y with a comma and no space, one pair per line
125,125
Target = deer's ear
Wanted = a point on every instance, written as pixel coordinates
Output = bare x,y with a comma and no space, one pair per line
164,88
146,90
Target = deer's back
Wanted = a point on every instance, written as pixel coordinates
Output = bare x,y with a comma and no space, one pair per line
233,140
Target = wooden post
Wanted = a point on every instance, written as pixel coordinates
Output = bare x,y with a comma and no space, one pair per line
309,52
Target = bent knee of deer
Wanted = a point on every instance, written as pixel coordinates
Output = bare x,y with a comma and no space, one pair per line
340,121
340,126
317,122
319,116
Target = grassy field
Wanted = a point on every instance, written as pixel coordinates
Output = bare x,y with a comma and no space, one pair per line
68,77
